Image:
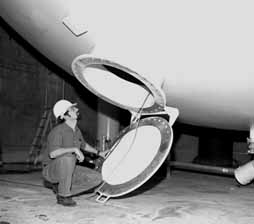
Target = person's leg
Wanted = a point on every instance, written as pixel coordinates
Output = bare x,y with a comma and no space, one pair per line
47,182
60,171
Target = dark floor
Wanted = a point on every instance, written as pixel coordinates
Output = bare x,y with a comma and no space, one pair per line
183,197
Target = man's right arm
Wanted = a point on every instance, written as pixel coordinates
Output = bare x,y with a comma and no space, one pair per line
61,151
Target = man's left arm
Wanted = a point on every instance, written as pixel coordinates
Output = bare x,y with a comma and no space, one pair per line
88,148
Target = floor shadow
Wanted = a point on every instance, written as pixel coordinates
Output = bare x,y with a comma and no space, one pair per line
14,168
148,185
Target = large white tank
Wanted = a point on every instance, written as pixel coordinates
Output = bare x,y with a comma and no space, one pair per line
202,50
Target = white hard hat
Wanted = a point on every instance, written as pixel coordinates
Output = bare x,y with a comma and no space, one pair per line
61,107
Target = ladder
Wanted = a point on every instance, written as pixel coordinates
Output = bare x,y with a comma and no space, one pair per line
46,123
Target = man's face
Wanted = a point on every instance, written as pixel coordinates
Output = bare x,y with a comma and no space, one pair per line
73,113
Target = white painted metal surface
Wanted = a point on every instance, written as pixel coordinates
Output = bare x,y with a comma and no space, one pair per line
140,149
132,155
202,50
244,174
129,90
137,153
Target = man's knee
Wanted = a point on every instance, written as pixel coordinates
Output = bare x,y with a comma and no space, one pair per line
60,168
66,161
66,164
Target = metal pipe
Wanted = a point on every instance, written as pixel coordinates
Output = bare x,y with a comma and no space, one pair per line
250,140
202,168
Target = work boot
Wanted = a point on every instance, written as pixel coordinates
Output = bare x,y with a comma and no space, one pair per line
55,188
52,186
65,201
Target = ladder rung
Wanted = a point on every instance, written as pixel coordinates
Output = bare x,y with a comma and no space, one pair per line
38,139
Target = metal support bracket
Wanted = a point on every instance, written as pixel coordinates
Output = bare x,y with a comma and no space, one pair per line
250,142
102,198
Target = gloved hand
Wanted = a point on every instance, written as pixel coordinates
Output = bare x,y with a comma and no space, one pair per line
104,154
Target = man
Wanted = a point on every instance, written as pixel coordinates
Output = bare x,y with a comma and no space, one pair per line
64,144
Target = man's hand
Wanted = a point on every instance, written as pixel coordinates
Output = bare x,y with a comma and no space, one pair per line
79,155
103,154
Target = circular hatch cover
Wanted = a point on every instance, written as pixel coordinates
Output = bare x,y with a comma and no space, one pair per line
135,156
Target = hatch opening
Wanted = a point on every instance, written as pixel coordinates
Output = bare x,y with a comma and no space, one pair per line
117,86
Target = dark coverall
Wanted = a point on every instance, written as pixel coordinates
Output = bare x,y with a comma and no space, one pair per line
61,169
